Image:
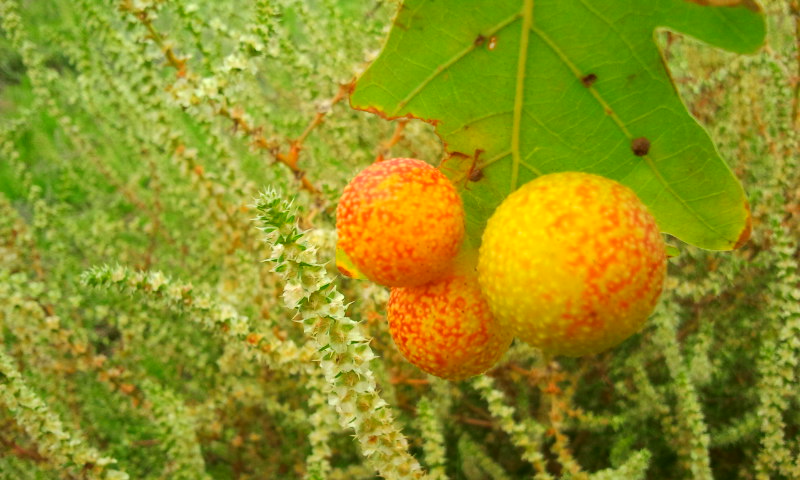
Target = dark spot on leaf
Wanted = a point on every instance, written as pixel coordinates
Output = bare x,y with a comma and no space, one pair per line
589,80
748,228
672,251
460,155
475,173
479,40
345,271
640,146
749,4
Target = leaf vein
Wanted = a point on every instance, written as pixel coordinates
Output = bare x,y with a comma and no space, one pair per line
665,185
452,61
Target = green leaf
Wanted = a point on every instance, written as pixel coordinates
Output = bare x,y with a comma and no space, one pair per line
346,266
672,251
520,88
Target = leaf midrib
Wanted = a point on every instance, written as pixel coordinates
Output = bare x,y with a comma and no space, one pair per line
526,13
621,125
522,61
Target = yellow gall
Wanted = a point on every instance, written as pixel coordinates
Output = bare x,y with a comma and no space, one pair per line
400,222
572,263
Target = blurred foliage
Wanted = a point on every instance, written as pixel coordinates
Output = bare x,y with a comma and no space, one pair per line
144,335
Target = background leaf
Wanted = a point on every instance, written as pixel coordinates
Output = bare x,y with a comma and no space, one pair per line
519,89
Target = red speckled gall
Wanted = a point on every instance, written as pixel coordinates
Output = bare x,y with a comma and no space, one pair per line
400,222
572,263
446,328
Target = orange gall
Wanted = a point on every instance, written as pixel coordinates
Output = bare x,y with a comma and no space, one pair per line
400,222
572,263
446,328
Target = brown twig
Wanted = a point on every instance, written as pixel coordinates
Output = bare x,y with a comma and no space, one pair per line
126,192
21,452
295,146
341,94
260,142
146,443
794,8
404,380
20,231
235,223
156,225
236,114
559,402
475,421
555,405
397,136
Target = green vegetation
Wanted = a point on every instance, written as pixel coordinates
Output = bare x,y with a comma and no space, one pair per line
170,307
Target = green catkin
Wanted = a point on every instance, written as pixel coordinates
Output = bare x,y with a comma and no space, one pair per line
352,472
740,428
778,353
218,317
475,458
635,468
778,364
526,435
178,427
693,438
344,352
60,447
433,443
111,156
324,424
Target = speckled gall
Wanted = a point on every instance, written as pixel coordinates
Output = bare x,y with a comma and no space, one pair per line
572,263
446,328
400,222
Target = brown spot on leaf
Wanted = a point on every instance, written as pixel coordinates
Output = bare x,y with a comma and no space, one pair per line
748,229
459,155
345,271
479,40
640,146
749,4
475,173
589,80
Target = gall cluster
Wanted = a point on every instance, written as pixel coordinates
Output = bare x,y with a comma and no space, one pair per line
571,263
